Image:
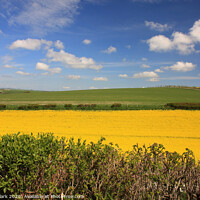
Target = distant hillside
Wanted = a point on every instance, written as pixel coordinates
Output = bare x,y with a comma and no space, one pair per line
140,96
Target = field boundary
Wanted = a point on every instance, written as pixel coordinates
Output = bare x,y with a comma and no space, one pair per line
114,106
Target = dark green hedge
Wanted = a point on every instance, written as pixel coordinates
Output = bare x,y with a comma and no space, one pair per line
184,106
46,165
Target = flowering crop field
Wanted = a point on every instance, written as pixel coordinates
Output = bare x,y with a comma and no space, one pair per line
176,130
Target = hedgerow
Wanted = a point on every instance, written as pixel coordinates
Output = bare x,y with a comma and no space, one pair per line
183,106
46,165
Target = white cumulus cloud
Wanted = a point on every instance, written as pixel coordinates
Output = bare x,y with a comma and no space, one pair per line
182,67
66,87
195,31
86,41
70,60
42,66
100,79
30,44
157,26
158,70
110,50
183,43
123,75
160,43
23,73
45,67
59,45
145,75
9,66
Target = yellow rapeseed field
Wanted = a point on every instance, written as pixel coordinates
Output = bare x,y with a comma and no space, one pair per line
176,130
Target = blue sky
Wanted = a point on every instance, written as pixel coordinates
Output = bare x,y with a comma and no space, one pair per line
89,44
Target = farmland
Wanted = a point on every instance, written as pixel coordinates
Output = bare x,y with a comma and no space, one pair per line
103,168
176,130
130,96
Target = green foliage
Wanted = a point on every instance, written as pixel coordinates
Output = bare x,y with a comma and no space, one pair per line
49,106
22,107
48,165
68,106
2,106
116,105
86,106
184,106
33,106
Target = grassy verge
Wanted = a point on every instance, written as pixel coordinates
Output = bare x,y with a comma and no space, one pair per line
45,165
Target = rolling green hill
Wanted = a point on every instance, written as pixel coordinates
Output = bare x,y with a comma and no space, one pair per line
135,96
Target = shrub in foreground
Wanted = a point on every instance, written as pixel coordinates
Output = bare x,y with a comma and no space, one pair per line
52,166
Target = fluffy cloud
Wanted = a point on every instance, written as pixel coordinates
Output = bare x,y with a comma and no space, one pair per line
23,73
74,77
145,75
1,32
145,66
42,66
100,79
70,60
182,67
86,41
43,16
160,43
158,70
59,45
30,44
110,50
45,67
195,31
9,66
66,87
183,43
157,26
123,75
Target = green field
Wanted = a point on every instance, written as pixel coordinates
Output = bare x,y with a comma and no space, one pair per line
133,96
